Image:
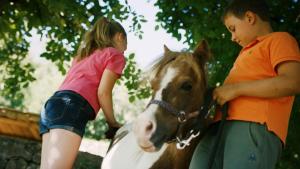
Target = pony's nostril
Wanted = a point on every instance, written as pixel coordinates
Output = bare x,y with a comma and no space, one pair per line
149,127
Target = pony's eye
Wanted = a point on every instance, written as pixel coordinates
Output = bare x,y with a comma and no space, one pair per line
186,86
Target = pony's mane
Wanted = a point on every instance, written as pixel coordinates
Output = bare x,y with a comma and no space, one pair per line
165,59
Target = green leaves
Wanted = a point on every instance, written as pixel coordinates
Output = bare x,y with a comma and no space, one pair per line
16,73
202,20
62,23
95,129
132,80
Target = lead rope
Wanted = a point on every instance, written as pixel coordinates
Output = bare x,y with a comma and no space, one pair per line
216,146
116,139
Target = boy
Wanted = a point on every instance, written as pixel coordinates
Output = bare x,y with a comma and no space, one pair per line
259,90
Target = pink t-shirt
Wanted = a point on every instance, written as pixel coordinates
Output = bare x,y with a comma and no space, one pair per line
84,76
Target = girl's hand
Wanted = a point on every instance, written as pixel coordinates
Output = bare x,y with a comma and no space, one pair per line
114,124
225,93
112,129
111,132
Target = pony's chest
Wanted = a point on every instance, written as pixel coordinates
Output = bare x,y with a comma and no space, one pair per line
128,155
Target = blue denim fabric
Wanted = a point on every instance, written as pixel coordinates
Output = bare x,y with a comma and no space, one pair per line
66,110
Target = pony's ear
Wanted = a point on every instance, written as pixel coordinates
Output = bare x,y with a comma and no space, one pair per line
202,51
166,49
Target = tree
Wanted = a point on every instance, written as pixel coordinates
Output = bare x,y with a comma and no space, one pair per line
63,24
201,20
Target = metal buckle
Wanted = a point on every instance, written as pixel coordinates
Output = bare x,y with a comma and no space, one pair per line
181,117
211,112
181,144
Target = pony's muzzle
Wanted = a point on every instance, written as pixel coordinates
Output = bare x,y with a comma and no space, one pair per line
144,130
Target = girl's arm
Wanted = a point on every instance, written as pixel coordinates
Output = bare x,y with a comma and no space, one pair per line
105,88
287,83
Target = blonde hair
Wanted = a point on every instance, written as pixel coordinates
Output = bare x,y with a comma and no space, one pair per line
99,36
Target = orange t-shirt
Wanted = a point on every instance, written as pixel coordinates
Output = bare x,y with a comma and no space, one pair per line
258,61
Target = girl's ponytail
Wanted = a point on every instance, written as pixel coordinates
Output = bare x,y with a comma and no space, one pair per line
98,37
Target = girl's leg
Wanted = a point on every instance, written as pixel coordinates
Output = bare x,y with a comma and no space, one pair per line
45,141
59,149
62,125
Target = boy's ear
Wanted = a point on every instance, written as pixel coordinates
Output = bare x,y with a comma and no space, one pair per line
202,51
250,17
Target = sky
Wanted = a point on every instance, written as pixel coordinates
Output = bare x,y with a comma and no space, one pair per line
151,46
146,49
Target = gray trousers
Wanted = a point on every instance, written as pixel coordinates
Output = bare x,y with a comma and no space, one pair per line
243,145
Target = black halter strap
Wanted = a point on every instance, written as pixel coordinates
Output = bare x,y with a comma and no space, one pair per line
181,118
180,114
207,110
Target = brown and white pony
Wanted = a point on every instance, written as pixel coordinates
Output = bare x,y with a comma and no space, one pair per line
162,136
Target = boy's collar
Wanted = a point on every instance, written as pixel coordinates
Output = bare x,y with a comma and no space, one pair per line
254,42
260,38
257,39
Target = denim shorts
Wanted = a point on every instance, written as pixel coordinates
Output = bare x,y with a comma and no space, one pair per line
66,110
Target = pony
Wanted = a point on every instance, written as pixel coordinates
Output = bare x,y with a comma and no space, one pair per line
166,133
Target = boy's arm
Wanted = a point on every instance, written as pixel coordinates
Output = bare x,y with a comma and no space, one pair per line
105,88
287,83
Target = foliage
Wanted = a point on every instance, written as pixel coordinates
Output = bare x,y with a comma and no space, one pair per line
61,22
132,80
201,20
290,156
95,129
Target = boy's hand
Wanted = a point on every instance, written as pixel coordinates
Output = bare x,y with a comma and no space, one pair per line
225,93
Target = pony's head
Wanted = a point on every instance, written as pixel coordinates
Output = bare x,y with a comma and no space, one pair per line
178,85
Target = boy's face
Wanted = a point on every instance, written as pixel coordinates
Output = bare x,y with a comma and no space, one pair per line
241,29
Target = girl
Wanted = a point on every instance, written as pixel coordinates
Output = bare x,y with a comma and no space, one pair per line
86,88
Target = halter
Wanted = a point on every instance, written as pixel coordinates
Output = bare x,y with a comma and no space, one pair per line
207,111
181,115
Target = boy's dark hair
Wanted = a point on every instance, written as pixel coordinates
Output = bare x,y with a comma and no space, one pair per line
239,7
